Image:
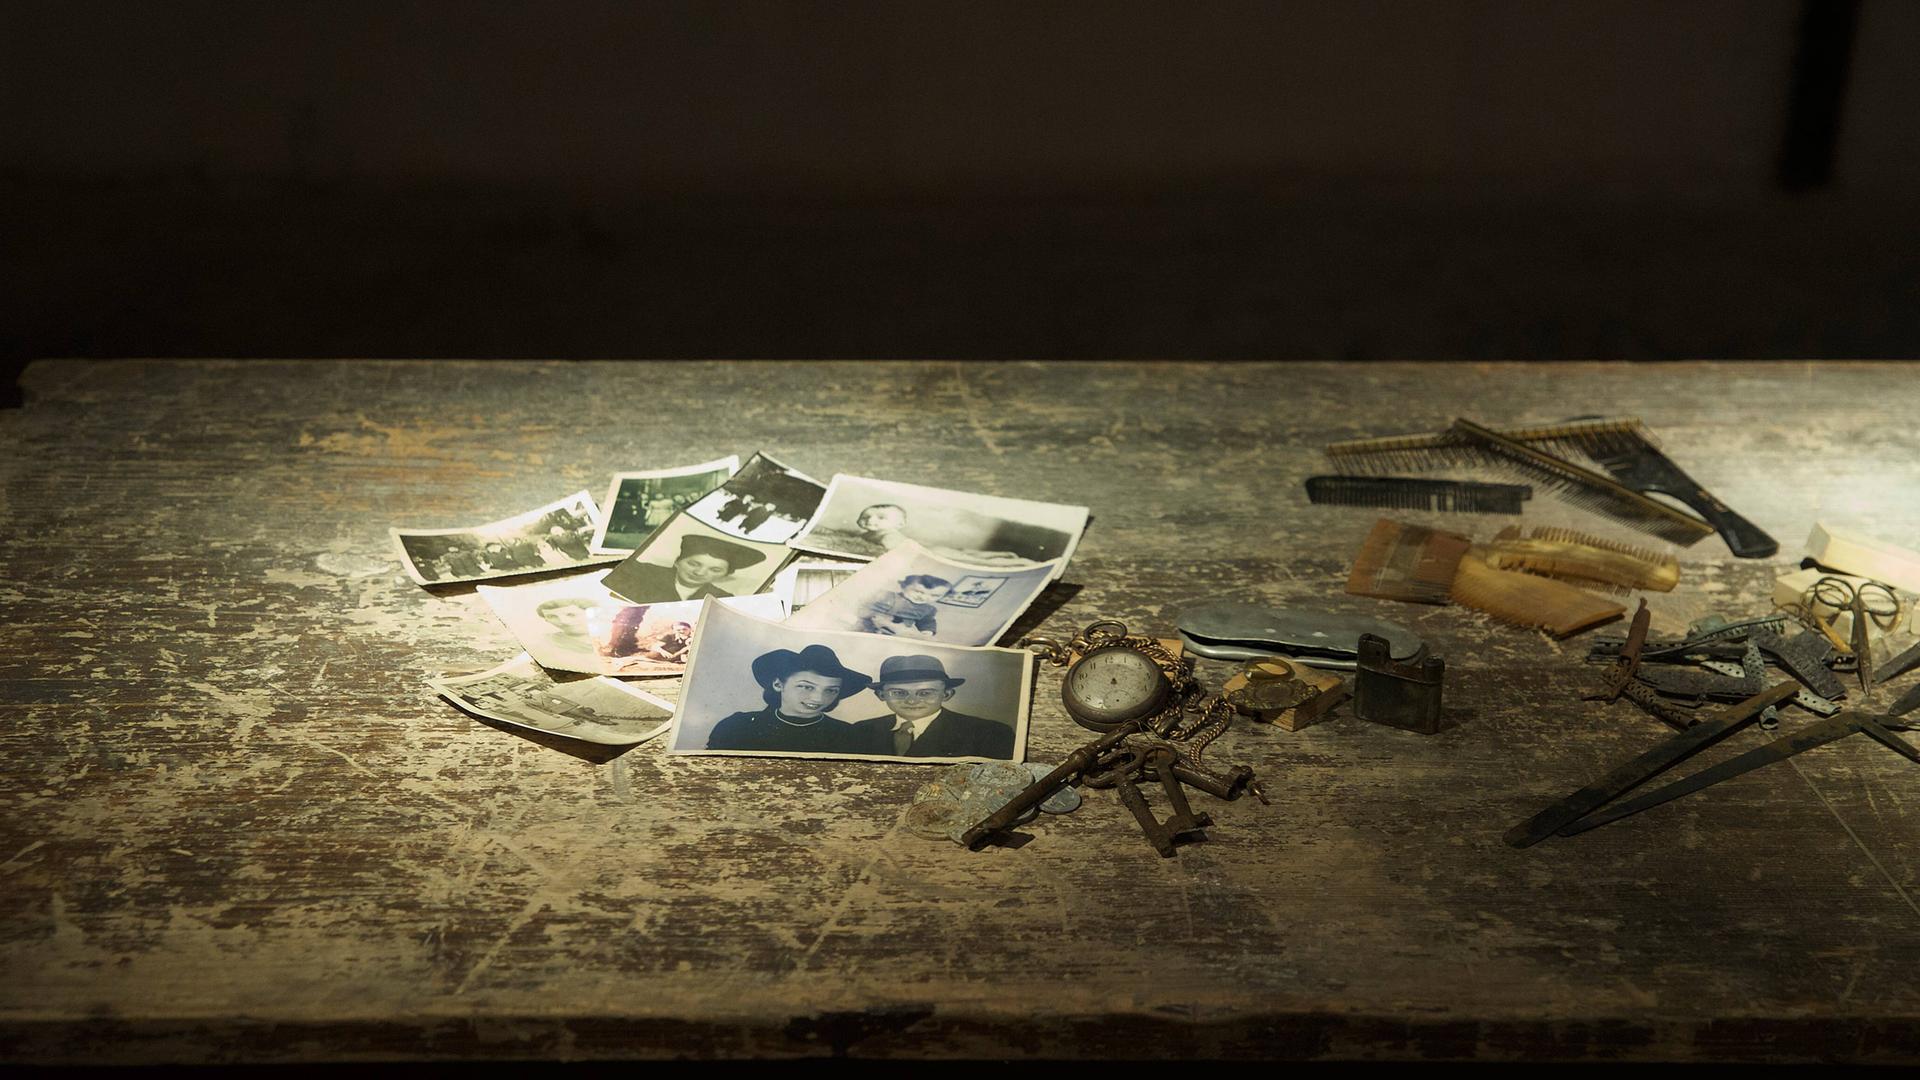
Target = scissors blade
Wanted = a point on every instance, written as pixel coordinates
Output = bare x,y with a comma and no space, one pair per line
1645,767
1820,734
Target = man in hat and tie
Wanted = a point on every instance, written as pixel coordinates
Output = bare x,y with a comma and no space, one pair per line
702,561
799,688
916,689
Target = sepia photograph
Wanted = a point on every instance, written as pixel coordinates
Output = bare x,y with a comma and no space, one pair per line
912,593
557,536
807,580
760,688
577,624
690,560
764,501
639,503
593,709
863,518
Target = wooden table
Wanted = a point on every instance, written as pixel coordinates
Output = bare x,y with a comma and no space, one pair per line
237,825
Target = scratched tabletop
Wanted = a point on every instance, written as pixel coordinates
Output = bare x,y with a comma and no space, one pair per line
236,825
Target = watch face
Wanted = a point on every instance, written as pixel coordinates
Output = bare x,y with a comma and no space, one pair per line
1113,685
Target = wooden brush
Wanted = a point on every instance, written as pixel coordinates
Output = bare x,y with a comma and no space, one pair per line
1569,553
1409,493
1406,562
1528,600
1588,489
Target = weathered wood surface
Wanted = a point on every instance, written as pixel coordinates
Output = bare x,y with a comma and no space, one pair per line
237,825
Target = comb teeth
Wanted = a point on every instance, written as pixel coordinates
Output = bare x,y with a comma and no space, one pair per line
1569,553
1433,451
1409,493
1587,489
1526,600
1407,562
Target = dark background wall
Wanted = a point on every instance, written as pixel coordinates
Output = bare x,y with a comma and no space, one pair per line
981,179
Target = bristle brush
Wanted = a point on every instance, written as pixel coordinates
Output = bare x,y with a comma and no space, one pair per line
1407,562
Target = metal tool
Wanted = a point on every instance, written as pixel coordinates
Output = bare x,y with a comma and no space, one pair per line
1899,665
1820,734
1232,630
1405,696
1805,658
1645,767
1042,789
1629,660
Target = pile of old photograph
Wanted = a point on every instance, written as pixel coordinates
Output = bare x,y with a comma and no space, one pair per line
752,611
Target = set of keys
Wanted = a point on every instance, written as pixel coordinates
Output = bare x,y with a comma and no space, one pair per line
1127,759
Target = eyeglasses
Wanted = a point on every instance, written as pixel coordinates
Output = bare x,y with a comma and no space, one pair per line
913,695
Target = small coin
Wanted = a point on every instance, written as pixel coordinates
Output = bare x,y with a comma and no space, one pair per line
932,819
1064,801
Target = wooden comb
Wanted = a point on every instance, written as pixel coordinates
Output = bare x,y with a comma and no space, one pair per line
1435,450
1407,562
1588,489
1528,600
1569,553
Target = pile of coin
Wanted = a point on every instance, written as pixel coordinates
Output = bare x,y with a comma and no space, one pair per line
965,795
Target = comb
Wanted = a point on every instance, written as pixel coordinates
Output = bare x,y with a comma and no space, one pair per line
1621,445
1436,450
1526,600
1569,553
1409,493
1588,489
1407,562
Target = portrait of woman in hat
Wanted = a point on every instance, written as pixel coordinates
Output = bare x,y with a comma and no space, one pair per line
799,689
700,562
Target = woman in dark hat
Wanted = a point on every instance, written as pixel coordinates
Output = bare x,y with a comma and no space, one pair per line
702,561
799,688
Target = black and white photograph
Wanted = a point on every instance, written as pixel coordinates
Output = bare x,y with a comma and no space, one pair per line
863,518
807,580
638,504
557,536
576,624
690,560
764,501
758,688
913,594
592,709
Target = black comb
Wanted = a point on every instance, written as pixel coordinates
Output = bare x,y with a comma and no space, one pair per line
1409,493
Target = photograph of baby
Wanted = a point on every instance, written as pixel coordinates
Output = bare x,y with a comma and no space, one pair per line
557,536
639,503
764,501
690,560
595,710
912,593
577,624
862,518
807,580
761,688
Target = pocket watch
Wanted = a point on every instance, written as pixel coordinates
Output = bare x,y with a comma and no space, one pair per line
1114,677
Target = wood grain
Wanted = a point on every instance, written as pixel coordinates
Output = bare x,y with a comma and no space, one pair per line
235,824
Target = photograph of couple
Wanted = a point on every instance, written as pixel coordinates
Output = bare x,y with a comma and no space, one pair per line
756,687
